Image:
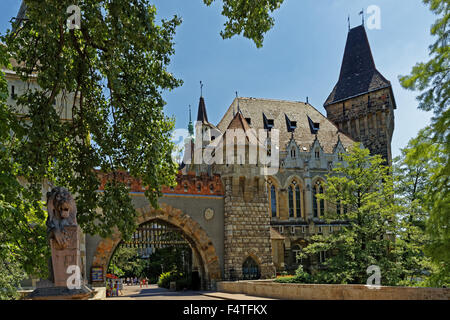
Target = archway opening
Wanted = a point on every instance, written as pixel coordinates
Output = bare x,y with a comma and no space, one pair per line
250,269
157,253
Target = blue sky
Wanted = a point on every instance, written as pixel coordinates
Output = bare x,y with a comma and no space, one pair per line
301,56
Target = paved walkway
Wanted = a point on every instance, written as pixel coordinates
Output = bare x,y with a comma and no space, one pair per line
153,292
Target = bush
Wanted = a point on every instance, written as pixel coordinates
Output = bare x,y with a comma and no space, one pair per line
167,277
300,276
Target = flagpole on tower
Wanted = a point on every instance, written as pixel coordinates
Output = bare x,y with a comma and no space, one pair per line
362,15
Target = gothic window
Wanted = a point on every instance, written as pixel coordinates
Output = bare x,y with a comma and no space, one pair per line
293,152
273,200
340,157
317,153
298,207
322,202
295,200
318,204
250,269
315,210
291,202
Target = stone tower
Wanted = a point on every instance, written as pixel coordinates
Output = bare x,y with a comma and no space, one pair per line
362,102
247,219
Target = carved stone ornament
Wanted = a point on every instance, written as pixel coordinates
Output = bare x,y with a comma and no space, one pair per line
209,214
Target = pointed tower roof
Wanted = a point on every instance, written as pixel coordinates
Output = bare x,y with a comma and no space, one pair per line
358,72
201,115
190,126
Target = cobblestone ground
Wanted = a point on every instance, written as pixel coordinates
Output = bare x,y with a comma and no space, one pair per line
152,292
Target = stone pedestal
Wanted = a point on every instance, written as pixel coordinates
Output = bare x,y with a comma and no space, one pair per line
63,258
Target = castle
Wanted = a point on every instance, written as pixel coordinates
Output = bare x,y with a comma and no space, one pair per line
248,220
268,219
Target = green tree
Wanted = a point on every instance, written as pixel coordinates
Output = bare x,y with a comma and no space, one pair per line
23,243
432,79
363,189
413,171
110,73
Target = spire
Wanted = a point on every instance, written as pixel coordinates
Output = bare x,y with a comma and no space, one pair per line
201,115
358,72
237,98
190,126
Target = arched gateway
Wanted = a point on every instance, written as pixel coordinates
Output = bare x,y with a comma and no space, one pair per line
200,242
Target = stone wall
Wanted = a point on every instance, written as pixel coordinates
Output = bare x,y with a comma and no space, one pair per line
247,225
288,291
368,118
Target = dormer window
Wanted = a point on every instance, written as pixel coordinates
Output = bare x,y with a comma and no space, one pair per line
340,156
268,123
293,155
313,126
291,125
317,153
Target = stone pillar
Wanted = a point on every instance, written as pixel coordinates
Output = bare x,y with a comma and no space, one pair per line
63,258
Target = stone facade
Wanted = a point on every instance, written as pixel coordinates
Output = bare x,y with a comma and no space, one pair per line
368,118
247,226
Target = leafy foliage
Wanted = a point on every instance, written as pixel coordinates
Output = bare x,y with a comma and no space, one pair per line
364,188
108,76
432,79
252,18
127,262
23,242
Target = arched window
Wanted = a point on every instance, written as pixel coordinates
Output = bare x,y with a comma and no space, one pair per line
291,202
298,205
295,200
315,210
250,269
322,202
293,152
318,204
317,153
273,200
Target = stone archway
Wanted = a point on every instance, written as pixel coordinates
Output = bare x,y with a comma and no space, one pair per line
195,234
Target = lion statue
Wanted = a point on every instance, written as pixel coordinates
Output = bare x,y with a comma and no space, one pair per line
61,212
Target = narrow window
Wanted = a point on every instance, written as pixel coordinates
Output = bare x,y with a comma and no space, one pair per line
322,202
298,202
317,154
273,201
291,202
315,212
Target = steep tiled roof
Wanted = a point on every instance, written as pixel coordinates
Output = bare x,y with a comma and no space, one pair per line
358,72
277,110
201,115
